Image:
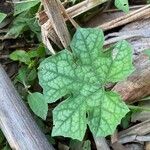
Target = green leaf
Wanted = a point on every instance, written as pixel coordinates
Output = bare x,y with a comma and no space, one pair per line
34,27
22,73
1,137
125,122
67,118
121,56
32,75
24,6
23,22
38,105
2,16
16,30
32,53
83,75
39,52
7,147
122,5
26,76
18,26
103,121
20,55
87,145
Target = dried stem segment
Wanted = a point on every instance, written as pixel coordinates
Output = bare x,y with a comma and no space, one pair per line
82,7
58,23
68,14
135,15
139,129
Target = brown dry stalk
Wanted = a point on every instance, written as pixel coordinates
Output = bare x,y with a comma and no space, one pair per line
69,14
135,15
58,23
82,7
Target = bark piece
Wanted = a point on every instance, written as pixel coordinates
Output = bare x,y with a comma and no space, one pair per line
20,130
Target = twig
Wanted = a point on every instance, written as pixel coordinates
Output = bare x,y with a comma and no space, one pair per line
46,40
118,36
139,129
134,138
67,16
3,30
117,10
83,7
4,57
137,14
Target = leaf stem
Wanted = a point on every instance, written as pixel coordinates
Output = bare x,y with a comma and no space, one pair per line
138,108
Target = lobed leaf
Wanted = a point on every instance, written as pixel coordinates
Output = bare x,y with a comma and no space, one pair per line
82,75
